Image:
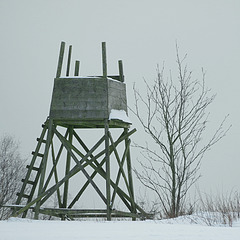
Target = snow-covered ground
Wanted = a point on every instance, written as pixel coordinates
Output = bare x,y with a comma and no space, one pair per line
25,229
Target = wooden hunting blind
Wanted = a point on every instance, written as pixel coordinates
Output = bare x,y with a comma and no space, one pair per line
82,103
79,100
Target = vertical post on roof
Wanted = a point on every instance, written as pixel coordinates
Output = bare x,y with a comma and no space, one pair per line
60,60
104,59
69,60
77,67
120,66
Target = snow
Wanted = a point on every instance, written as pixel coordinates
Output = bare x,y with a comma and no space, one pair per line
119,115
25,229
114,80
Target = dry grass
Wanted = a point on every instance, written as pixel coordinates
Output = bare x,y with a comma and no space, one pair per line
222,209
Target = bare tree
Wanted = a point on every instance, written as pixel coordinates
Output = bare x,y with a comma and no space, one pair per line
174,115
11,173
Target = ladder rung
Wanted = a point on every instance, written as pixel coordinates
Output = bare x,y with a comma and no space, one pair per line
24,195
33,168
43,141
38,154
29,181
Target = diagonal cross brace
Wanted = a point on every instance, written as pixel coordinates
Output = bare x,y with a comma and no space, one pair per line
120,163
69,148
98,168
45,195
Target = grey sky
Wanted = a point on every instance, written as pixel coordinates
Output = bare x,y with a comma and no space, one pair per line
142,34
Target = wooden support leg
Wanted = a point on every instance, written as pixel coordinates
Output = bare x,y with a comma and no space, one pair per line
129,167
107,157
68,163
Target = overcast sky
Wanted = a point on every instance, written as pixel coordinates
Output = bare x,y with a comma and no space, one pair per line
143,34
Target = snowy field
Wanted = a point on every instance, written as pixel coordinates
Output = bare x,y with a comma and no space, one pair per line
25,229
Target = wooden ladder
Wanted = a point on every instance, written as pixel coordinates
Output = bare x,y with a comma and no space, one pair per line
33,172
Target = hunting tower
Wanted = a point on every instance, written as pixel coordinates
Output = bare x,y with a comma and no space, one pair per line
94,102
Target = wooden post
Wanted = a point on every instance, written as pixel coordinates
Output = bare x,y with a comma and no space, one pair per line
68,164
77,67
129,168
60,60
107,157
69,60
104,60
120,66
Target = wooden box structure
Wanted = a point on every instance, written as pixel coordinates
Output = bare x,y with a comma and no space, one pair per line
81,103
80,100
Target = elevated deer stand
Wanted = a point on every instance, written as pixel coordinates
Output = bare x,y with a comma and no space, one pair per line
81,103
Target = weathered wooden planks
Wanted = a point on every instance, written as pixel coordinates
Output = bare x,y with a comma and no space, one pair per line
86,98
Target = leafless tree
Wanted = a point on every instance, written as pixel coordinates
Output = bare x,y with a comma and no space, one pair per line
173,114
11,173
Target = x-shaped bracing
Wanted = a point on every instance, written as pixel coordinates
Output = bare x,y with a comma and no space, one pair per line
87,160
